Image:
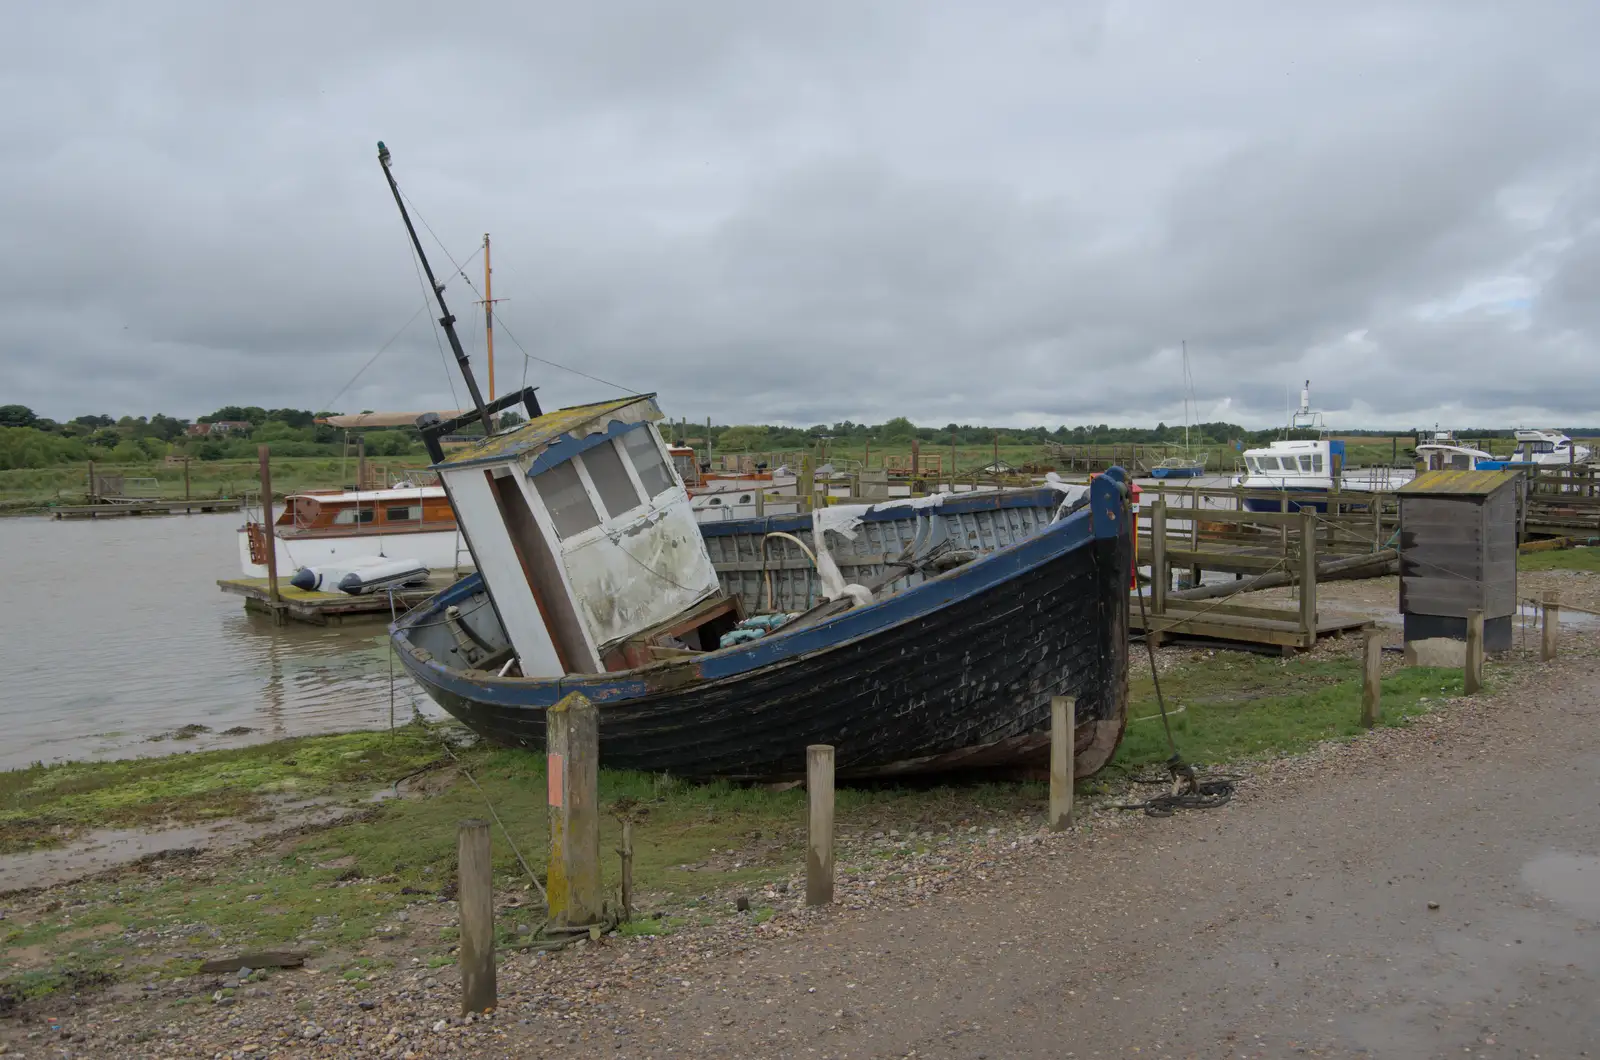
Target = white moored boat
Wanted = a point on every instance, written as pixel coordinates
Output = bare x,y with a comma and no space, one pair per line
339,529
1542,448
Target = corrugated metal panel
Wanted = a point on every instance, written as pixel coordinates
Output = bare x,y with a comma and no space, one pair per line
1461,483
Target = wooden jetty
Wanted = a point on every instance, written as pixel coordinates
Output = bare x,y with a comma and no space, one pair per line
323,609
1162,616
122,509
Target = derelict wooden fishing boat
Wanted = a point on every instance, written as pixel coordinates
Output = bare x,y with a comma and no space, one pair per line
942,671
933,641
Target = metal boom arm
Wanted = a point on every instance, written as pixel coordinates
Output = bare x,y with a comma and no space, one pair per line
448,320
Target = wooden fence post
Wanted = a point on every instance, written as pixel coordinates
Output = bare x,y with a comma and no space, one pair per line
270,535
1473,680
1371,677
1063,720
475,895
819,824
1552,625
1194,537
627,868
1158,558
1308,574
572,740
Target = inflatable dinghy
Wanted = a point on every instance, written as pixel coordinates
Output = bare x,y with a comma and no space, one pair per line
360,576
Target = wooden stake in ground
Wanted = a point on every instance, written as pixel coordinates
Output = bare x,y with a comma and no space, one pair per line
476,894
1473,680
1372,677
1552,625
819,824
267,532
1062,740
627,868
572,740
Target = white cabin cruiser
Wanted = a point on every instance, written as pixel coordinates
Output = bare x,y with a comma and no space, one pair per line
1542,448
1305,469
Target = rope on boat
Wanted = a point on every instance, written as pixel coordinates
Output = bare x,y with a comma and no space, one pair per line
1188,792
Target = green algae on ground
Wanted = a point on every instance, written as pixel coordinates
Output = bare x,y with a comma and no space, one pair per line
44,805
339,889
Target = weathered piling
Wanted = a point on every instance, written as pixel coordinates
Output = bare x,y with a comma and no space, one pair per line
572,741
1473,679
1371,677
1062,740
265,453
475,894
1552,625
626,854
819,824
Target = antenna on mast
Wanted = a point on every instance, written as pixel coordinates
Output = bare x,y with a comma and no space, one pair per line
447,320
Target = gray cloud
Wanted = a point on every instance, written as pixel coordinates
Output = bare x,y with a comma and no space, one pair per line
1004,213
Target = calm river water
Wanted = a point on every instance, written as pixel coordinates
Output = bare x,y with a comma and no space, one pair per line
113,632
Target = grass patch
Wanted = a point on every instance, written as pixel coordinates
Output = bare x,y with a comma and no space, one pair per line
1238,706
1580,559
43,805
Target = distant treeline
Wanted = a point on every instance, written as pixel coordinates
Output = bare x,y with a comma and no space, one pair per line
28,440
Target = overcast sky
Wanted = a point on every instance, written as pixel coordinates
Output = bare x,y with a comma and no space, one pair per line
1008,212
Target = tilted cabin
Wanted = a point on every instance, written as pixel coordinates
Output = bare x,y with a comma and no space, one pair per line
1458,551
582,531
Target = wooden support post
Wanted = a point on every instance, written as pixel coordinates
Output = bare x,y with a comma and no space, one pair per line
572,740
93,492
819,824
1158,557
268,533
1194,536
476,901
916,466
626,854
1552,625
185,478
1371,677
1062,744
761,500
807,484
1473,679
1377,522
1308,574
361,459
1283,506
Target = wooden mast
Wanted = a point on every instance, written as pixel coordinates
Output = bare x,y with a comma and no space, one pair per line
488,312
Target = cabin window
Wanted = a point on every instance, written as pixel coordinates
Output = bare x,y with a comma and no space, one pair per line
715,500
1269,463
353,516
402,513
1316,463
1250,462
646,457
745,499
1305,464
611,479
568,502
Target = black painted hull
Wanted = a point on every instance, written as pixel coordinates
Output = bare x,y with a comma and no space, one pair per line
965,686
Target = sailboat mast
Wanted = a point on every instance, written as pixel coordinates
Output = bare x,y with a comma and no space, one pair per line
1188,388
488,312
447,320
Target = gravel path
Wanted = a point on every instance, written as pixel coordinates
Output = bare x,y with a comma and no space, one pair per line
1298,921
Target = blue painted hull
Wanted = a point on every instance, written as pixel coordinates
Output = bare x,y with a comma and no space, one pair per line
1177,472
955,672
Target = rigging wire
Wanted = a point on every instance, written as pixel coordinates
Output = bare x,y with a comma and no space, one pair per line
373,359
460,270
448,377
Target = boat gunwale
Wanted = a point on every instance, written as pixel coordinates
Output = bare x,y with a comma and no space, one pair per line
1077,530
